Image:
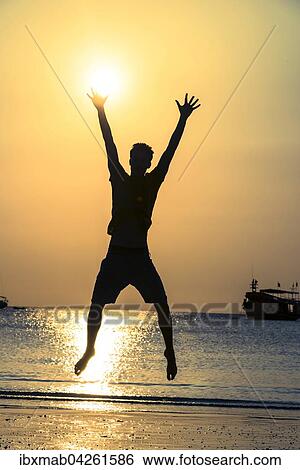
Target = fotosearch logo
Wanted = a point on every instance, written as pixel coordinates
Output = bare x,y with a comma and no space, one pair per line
188,315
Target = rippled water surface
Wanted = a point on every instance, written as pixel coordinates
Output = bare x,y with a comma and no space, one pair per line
218,357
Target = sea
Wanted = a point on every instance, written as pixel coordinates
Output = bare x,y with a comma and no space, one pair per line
223,360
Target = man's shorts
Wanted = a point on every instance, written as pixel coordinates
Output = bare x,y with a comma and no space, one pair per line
128,266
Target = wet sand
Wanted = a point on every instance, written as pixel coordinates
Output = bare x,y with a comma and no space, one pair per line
23,427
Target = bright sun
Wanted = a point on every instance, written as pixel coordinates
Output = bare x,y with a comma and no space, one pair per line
104,80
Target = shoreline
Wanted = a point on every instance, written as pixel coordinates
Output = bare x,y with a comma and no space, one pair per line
41,427
147,400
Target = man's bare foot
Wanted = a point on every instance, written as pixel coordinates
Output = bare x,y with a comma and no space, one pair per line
171,365
83,362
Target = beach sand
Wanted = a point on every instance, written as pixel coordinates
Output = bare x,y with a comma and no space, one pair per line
28,427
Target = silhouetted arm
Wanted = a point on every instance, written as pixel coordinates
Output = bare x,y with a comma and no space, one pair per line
185,110
114,164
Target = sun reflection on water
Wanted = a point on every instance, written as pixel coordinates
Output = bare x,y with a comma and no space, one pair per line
115,342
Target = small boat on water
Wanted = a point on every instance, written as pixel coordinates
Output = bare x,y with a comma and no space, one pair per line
3,302
272,304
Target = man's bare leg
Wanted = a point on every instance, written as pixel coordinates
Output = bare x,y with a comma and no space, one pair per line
93,325
165,325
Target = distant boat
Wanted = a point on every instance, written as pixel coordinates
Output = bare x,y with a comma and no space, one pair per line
272,304
3,302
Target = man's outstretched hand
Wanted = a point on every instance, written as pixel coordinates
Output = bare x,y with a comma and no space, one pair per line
97,99
188,106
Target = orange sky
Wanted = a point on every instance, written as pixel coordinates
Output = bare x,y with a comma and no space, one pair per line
236,206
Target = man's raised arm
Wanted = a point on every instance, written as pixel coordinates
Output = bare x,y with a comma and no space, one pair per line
185,110
114,164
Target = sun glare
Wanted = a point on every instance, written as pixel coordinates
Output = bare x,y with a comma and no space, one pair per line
104,367
104,80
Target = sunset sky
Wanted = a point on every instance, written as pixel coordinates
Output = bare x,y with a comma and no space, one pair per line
236,209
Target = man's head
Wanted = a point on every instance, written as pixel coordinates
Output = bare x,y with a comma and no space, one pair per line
140,158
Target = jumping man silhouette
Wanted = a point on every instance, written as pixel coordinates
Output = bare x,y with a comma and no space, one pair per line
128,260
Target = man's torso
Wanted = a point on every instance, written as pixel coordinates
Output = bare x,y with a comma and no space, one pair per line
133,199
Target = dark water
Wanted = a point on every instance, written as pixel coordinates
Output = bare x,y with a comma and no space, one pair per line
220,360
